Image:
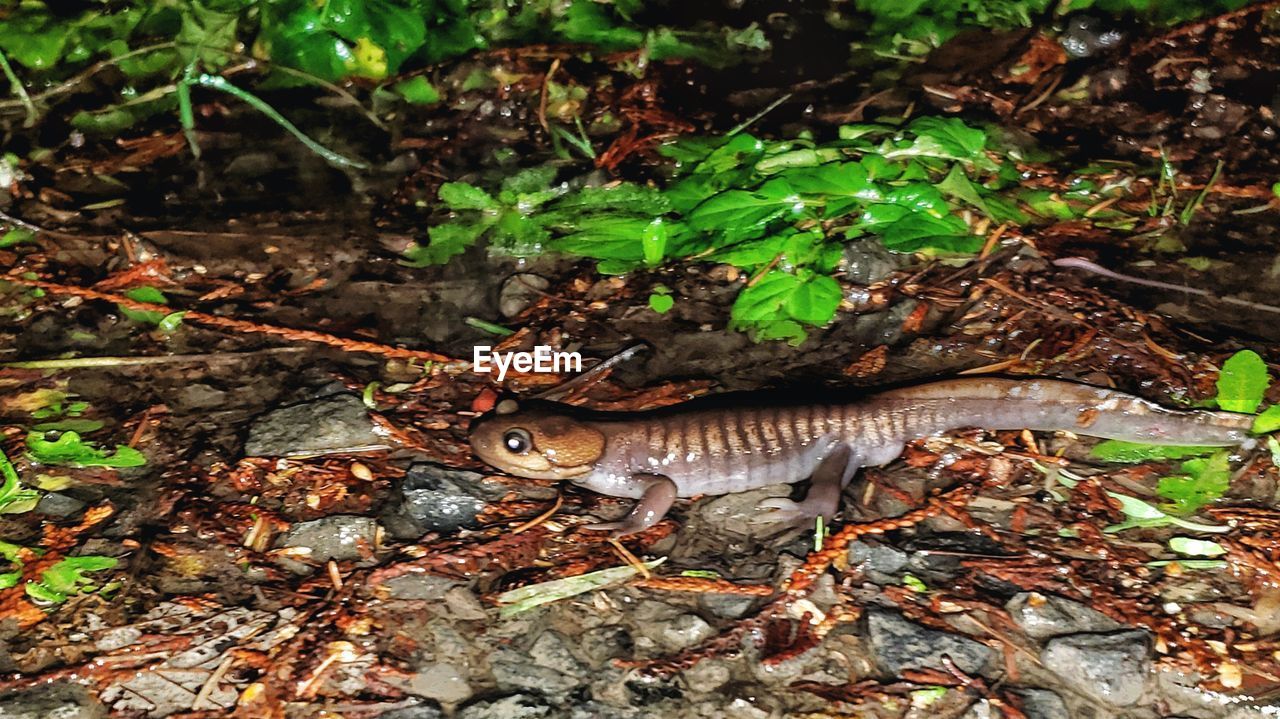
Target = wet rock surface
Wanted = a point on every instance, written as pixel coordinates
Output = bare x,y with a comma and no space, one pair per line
330,424
899,644
1112,668
436,499
340,537
1043,616
56,701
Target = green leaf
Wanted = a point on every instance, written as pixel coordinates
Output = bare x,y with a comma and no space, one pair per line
918,231
1205,480
71,451
1242,382
777,304
446,241
417,90
523,599
764,301
956,184
1196,547
739,214
738,151
621,199
944,138
814,301
1268,421
1114,450
16,236
461,196
519,235
14,498
752,253
653,243
661,303
67,577
839,185
529,180
171,322
606,238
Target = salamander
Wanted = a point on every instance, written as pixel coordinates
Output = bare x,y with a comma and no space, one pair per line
692,449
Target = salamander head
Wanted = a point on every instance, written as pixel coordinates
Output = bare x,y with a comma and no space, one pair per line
538,443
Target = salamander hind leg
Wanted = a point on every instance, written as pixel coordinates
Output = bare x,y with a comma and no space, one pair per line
825,486
659,494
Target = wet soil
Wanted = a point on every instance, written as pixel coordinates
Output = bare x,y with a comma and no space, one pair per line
311,537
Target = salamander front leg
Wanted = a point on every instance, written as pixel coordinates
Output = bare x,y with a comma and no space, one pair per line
825,487
659,495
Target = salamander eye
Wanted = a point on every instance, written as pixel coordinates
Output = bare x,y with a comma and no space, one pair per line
517,441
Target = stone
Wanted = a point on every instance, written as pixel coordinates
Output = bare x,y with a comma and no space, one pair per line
54,701
418,711
419,586
726,606
441,681
601,644
435,499
338,423
1043,616
1112,668
679,632
1042,704
547,668
55,504
341,537
898,644
880,563
519,291
515,706
706,676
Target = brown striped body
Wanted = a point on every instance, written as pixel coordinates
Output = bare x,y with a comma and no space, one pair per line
723,450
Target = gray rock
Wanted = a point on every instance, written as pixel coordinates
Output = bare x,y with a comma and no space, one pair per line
418,711
446,683
1043,616
880,563
419,586
435,499
678,632
516,706
981,709
1043,704
547,668
54,504
1112,668
601,644
341,537
727,606
866,262
339,423
519,291
706,676
898,644
55,701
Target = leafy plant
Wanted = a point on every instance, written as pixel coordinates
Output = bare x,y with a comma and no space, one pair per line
1202,480
14,498
779,209
1242,382
1241,386
67,577
71,451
